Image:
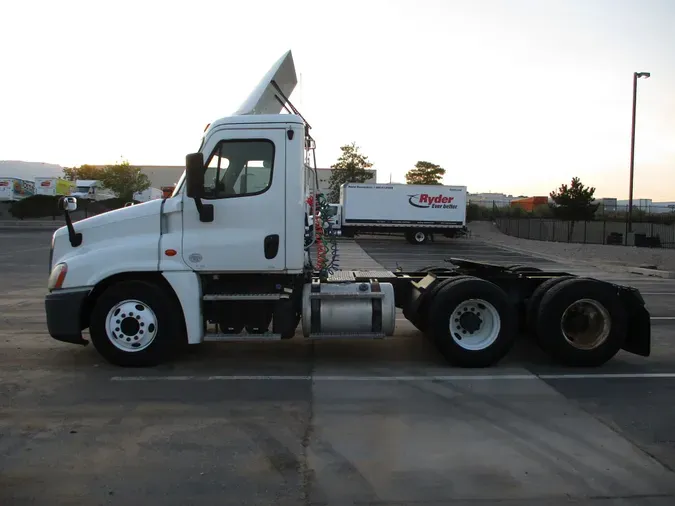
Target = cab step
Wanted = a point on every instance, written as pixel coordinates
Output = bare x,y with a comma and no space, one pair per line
245,296
218,337
347,335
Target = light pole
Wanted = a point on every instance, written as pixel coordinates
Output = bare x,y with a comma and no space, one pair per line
636,76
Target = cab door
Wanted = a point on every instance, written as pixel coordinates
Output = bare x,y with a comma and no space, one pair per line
245,182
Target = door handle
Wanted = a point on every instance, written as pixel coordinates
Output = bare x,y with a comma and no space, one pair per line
271,246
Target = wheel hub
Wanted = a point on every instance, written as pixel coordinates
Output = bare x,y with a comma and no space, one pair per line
131,325
470,321
586,324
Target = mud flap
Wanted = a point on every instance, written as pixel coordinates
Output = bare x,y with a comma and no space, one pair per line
639,338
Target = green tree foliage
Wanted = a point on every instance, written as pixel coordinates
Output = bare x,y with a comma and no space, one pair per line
124,180
574,203
83,172
351,167
425,173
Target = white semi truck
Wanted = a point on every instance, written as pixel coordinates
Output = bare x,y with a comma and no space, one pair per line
414,211
221,261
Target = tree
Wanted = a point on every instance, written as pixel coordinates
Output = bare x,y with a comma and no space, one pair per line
425,173
351,167
124,180
83,172
574,203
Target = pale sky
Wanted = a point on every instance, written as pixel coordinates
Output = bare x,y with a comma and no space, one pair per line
513,96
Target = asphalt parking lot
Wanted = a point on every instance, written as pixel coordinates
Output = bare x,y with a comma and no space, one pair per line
328,422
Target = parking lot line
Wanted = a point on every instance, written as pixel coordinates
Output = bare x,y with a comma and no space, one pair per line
437,378
651,318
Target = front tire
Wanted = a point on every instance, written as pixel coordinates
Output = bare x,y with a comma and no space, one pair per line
135,324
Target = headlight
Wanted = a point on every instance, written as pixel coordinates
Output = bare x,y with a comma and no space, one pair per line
57,277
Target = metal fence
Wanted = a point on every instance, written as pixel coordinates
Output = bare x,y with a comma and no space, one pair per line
588,232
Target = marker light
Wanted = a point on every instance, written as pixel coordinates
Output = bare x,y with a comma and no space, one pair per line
57,277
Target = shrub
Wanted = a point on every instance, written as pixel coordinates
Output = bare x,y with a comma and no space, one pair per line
36,206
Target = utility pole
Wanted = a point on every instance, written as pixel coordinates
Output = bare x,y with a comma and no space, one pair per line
636,76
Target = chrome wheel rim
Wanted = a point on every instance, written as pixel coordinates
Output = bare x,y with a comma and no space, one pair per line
131,325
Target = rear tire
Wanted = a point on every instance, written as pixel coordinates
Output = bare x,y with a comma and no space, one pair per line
420,318
532,308
136,323
581,323
472,322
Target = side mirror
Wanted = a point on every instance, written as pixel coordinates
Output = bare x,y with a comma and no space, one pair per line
68,204
194,175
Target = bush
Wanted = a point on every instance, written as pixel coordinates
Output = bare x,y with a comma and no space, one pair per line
36,206
47,206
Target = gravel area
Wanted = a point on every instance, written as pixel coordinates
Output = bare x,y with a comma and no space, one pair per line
601,256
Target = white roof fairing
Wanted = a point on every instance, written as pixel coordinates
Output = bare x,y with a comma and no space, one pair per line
263,98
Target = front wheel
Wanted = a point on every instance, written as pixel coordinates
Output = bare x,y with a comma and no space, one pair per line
135,323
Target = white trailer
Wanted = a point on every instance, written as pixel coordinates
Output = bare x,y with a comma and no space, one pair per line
222,261
416,211
53,186
14,188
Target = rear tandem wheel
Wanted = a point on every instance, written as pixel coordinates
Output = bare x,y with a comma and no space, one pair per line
581,322
472,322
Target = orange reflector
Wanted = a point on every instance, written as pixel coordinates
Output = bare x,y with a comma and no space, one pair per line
170,252
62,277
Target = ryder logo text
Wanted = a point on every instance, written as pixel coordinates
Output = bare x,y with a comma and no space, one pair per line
424,201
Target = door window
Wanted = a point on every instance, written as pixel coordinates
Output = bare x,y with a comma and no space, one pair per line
239,168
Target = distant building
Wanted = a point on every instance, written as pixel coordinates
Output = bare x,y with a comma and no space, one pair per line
530,203
490,199
162,175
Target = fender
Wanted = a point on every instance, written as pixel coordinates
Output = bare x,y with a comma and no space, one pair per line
188,289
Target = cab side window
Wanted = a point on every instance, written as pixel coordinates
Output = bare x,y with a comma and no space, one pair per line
239,168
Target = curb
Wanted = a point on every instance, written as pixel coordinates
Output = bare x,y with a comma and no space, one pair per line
652,272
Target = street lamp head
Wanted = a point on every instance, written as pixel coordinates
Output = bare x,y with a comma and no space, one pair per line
643,74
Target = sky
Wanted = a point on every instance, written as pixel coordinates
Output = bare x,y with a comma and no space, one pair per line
512,96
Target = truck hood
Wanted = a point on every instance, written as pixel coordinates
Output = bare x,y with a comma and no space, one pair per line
150,208
123,240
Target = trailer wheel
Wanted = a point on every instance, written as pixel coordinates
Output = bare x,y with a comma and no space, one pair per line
532,308
135,323
417,237
581,322
472,322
